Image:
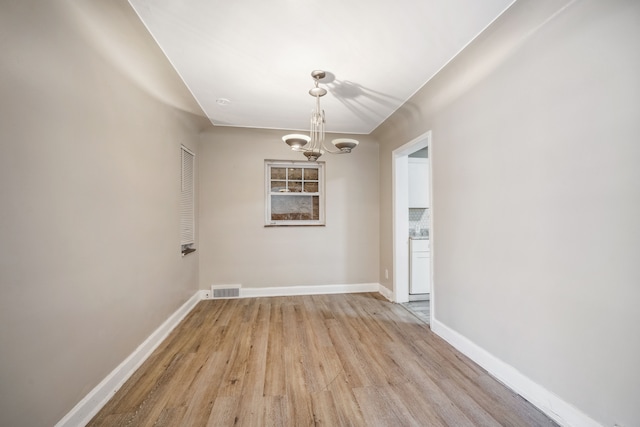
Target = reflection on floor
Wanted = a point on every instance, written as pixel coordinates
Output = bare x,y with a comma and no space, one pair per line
419,308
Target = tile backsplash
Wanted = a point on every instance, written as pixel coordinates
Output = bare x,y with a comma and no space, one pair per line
418,222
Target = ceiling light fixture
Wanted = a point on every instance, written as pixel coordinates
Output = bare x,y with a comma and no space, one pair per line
314,146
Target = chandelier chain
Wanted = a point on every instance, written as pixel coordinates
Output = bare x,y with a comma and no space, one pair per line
314,145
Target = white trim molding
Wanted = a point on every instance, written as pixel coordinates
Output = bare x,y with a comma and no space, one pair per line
88,407
308,290
553,406
385,292
400,220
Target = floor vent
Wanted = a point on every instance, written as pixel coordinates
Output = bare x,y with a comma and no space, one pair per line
225,291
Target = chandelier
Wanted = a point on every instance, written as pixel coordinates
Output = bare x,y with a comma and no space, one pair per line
314,145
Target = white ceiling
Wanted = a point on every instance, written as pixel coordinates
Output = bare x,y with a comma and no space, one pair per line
259,54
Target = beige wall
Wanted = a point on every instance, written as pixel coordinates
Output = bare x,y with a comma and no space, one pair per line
236,247
536,197
90,261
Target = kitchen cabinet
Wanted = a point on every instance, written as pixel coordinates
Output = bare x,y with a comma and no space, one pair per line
419,185
419,266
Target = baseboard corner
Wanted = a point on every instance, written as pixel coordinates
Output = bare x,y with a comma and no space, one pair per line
548,402
385,292
89,406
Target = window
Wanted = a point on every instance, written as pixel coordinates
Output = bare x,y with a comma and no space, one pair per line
294,193
187,219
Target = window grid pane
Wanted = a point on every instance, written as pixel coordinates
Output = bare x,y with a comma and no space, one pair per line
278,173
294,193
294,180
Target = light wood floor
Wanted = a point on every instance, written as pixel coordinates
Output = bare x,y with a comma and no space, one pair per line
333,360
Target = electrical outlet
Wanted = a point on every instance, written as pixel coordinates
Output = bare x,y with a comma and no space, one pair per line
386,273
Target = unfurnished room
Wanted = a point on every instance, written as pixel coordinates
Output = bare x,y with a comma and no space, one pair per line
338,213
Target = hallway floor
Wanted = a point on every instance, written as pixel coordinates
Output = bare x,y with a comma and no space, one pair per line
421,309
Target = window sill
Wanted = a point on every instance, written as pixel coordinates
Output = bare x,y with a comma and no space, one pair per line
295,225
188,251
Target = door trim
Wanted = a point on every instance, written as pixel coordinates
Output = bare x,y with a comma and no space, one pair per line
400,201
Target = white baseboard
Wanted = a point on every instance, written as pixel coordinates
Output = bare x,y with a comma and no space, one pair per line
385,292
553,406
88,407
280,291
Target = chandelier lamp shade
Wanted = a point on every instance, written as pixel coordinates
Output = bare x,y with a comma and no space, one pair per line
313,145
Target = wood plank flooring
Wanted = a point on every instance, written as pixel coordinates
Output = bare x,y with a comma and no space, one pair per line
332,360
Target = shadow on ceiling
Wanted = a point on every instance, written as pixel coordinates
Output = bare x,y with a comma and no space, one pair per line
360,100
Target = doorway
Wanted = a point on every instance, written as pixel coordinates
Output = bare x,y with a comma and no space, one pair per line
400,200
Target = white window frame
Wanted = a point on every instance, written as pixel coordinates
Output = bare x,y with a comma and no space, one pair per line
269,164
187,200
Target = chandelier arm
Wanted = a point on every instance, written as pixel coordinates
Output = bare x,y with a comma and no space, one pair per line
315,144
326,148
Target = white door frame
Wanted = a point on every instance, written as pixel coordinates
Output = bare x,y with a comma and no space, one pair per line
400,197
